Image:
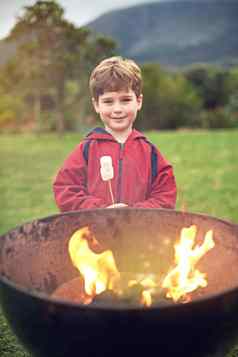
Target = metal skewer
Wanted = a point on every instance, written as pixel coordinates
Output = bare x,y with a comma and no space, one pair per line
111,193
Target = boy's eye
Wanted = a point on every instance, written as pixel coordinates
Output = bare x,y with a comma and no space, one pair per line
122,100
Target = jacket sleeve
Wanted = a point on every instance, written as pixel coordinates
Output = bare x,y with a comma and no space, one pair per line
70,184
163,188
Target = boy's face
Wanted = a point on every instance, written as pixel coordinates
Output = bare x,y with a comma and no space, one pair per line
118,110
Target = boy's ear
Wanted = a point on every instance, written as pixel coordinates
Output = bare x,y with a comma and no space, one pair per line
140,101
95,105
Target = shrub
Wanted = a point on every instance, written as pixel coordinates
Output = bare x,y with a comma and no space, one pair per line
170,101
216,119
11,108
231,110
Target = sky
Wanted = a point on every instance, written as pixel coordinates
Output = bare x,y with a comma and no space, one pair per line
80,12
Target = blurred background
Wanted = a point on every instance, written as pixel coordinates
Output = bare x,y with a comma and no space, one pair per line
188,52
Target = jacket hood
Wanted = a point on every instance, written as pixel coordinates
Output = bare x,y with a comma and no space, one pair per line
101,134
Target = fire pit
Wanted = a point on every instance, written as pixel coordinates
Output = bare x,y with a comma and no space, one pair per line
35,263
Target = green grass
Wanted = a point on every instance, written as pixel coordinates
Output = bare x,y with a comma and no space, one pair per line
205,165
206,170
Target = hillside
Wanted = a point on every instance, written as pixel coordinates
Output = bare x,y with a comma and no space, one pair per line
172,32
175,32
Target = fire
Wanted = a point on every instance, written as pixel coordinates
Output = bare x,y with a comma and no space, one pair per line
100,273
185,278
149,285
98,270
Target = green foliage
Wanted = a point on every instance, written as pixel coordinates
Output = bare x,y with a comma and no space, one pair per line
53,52
216,119
170,101
46,82
10,109
233,82
150,113
231,110
179,103
211,83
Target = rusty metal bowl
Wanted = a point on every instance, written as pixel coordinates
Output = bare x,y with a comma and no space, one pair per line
34,261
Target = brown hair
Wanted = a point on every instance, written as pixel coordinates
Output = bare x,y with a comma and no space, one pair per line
114,74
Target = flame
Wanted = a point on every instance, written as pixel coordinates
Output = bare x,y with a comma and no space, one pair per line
184,278
149,287
98,270
149,284
100,273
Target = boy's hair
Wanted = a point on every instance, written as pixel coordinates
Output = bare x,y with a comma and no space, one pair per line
114,74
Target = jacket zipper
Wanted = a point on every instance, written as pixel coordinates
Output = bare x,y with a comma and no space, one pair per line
119,182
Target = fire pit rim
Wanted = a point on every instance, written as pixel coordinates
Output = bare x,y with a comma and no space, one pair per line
94,210
111,307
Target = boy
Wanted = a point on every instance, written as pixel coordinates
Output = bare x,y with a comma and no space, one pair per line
140,175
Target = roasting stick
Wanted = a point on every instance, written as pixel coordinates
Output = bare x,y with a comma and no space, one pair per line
107,173
111,193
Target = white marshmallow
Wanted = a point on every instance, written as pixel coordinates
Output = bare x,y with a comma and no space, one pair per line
106,168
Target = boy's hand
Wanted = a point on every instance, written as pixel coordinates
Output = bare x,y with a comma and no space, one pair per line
116,205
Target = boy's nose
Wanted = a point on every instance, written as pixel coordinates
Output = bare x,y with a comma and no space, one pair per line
117,107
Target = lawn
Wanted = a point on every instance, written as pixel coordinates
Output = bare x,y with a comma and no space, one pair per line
205,165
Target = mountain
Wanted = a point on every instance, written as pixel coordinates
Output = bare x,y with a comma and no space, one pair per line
174,33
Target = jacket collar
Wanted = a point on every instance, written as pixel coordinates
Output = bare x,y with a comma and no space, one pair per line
101,134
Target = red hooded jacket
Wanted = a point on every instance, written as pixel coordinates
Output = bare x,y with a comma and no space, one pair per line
142,176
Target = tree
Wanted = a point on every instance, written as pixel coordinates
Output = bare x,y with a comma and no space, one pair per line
180,104
211,83
170,101
231,111
10,106
53,52
150,114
